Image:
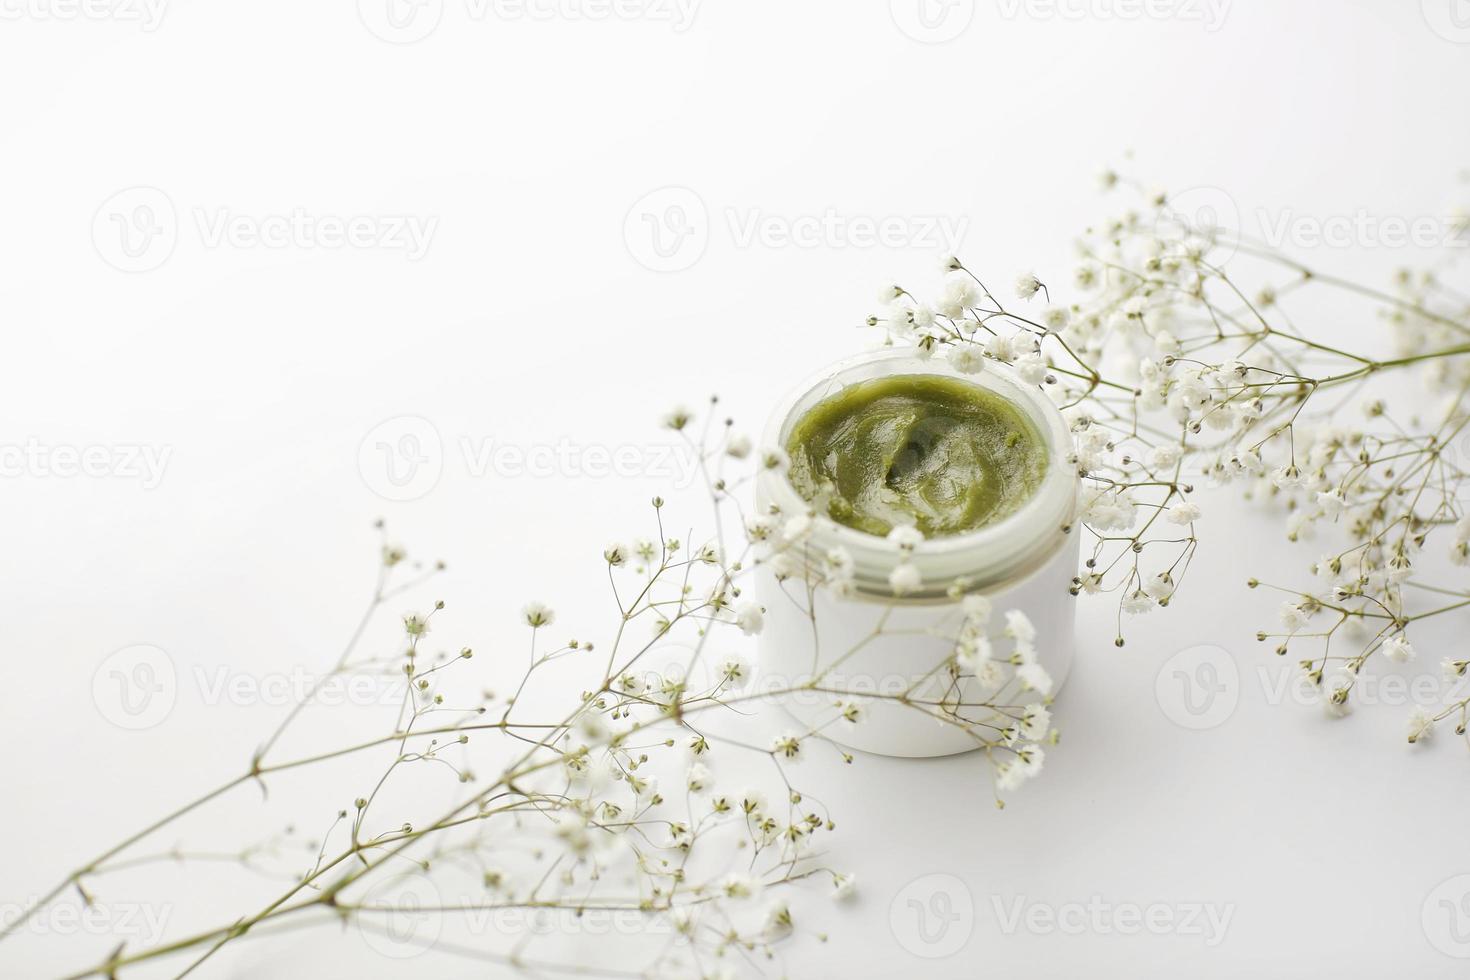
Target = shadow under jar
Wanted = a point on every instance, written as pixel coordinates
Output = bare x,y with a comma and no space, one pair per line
1021,554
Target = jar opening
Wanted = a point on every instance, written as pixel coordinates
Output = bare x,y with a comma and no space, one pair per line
942,455
978,559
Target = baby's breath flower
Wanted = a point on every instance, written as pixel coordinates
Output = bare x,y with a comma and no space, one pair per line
1033,677
1183,513
959,295
750,617
1164,457
1337,696
738,447
1420,724
967,358
787,746
906,537
775,459
1137,603
678,418
1035,722
905,578
797,528
973,652
1027,285
734,672
1398,649
538,614
1332,503
976,608
1031,368
1160,587
1019,628
740,886
415,625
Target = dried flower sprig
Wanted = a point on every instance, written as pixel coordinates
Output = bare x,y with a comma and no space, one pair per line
1173,372
613,803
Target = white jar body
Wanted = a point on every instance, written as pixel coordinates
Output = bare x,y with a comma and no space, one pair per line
907,655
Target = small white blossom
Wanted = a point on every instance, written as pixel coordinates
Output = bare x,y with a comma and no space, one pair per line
1337,697
1137,604
1164,457
750,617
957,296
967,358
1160,587
1398,649
738,447
734,672
1332,503
775,459
1420,724
1183,513
1019,628
538,614
1032,369
740,886
787,746
906,537
1033,677
973,652
1035,722
905,578
998,347
976,608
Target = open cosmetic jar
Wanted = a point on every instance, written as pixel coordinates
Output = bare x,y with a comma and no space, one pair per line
820,644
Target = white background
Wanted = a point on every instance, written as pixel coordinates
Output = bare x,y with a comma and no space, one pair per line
530,319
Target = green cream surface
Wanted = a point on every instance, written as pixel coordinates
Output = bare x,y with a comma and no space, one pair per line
935,453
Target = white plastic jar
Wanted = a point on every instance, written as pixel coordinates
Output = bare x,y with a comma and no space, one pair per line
1026,561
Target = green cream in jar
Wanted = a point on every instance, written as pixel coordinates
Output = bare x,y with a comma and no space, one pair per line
926,451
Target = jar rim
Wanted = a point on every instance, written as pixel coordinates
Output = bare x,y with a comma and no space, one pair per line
987,555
